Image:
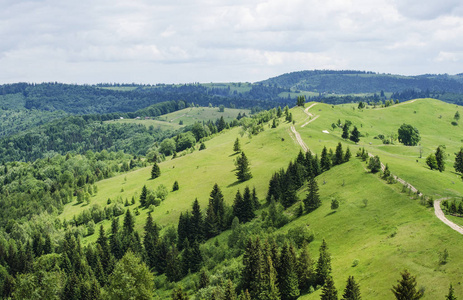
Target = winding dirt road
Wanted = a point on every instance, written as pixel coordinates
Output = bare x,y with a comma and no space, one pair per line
437,209
440,214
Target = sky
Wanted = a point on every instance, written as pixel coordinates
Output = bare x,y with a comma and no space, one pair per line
178,41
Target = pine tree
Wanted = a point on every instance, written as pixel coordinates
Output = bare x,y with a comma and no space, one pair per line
243,172
238,207
237,146
279,112
269,289
115,240
312,201
288,280
129,224
175,186
440,159
105,255
325,162
347,155
211,224
274,191
203,279
155,171
458,165
451,295
173,265
329,291
355,135
230,293
406,288
150,241
457,116
216,197
352,290
197,223
345,132
324,264
339,155
305,270
252,271
247,209
143,196
178,294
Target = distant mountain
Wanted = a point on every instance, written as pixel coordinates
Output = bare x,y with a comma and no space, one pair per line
355,82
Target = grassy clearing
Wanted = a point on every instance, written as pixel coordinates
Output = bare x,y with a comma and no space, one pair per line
157,125
194,114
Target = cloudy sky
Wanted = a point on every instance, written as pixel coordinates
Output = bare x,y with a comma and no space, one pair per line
178,41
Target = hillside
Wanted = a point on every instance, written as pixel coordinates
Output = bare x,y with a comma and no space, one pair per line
354,82
373,240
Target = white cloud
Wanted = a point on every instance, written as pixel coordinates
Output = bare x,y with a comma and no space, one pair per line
204,40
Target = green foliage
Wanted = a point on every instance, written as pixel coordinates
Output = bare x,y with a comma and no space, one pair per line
175,186
355,135
458,165
352,290
440,153
329,291
431,161
451,294
334,204
300,100
323,269
406,288
237,146
243,171
374,164
408,135
155,171
131,278
312,201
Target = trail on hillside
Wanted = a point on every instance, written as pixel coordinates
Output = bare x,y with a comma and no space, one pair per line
310,115
440,214
299,139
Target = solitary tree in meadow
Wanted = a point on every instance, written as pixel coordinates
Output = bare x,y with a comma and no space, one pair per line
406,288
155,171
243,171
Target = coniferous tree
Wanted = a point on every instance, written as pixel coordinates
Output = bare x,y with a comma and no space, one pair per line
143,196
175,186
115,239
105,255
173,265
155,171
179,294
203,279
355,135
216,197
150,241
279,112
352,290
440,159
238,207
211,225
339,155
237,146
247,209
255,200
312,201
252,271
129,223
305,269
323,269
325,162
347,155
269,289
183,228
345,132
230,293
287,274
274,191
458,165
406,288
243,171
451,294
197,223
329,291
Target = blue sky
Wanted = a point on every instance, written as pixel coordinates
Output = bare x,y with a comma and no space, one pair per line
91,41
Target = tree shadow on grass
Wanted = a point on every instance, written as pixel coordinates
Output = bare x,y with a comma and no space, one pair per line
234,183
330,213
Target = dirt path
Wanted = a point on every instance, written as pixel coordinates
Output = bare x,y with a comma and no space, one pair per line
310,115
299,139
440,214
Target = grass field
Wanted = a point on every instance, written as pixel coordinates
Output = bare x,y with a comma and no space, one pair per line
392,232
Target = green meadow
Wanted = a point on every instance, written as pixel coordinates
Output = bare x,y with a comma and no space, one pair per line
376,232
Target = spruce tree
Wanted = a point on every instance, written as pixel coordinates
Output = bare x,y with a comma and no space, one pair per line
179,294
339,155
352,290
211,224
451,294
243,171
269,289
216,197
197,223
312,201
252,271
325,162
173,265
247,209
143,196
115,239
237,146
287,275
175,186
355,135
230,293
323,269
440,159
274,191
305,270
458,165
329,291
238,207
155,171
347,155
345,132
406,288
150,241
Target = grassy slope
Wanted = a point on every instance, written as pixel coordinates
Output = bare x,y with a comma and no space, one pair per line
391,233
403,161
188,116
